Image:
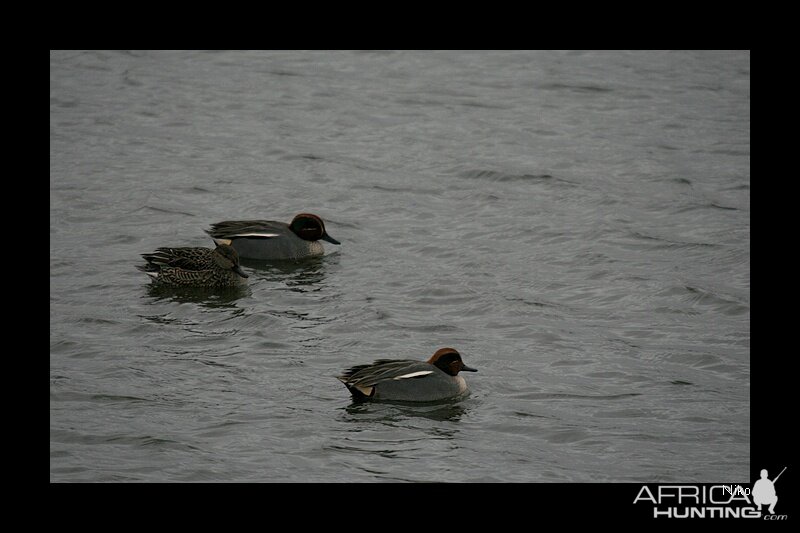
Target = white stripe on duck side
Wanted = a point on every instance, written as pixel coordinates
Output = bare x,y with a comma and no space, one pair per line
255,234
415,374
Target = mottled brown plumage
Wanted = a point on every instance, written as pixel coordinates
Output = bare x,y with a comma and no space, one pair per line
194,267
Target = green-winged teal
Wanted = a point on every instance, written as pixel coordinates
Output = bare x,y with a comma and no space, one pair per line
409,380
194,267
271,240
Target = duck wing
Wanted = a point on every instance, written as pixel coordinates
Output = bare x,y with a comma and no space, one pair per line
363,376
263,229
184,258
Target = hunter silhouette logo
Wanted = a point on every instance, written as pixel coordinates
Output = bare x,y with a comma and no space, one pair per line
764,491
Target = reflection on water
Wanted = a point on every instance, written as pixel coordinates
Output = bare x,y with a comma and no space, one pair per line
300,276
446,410
211,298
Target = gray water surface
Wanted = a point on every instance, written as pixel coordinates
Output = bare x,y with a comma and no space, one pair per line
576,224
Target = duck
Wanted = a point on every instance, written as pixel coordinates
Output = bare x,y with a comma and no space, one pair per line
272,240
409,380
194,267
